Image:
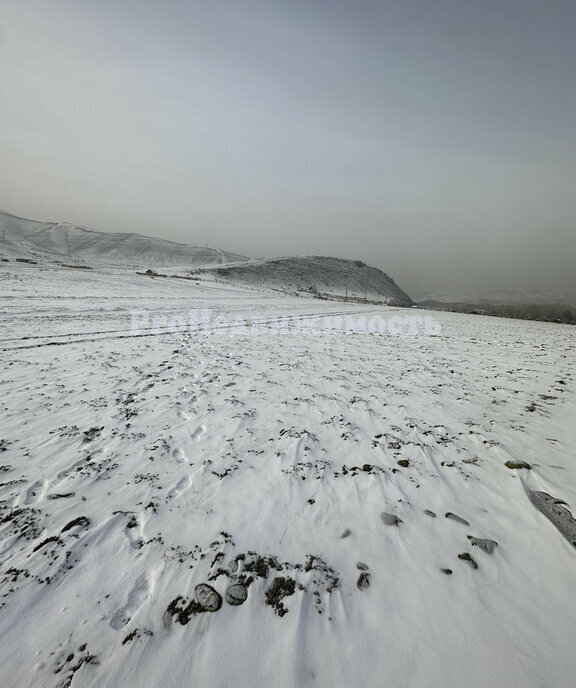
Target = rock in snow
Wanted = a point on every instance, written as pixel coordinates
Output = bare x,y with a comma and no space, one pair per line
208,598
390,519
236,595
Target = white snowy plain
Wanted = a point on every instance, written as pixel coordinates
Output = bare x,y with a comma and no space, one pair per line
135,468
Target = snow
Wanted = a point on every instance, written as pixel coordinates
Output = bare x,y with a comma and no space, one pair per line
63,241
138,465
58,242
322,275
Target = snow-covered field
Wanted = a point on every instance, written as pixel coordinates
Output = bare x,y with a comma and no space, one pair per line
312,471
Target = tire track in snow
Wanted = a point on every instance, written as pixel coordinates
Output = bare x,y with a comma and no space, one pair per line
256,323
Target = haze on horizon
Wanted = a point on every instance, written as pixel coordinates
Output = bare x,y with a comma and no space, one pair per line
433,140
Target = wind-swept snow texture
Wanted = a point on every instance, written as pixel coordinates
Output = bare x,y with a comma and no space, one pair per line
321,275
332,509
21,238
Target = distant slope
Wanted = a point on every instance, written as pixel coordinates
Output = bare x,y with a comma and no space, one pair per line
546,312
22,238
319,274
492,296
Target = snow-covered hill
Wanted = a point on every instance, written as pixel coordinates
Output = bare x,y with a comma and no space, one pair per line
318,275
22,238
70,244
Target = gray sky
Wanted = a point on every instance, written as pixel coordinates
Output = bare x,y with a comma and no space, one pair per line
433,139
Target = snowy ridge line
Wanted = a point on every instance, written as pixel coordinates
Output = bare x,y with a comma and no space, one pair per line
21,237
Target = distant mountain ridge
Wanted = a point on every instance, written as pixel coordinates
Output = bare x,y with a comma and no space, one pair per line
503,297
23,238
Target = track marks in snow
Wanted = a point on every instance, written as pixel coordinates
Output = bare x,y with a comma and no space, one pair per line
35,492
141,591
182,485
196,436
180,455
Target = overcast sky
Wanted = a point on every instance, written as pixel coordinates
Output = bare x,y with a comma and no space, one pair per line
435,139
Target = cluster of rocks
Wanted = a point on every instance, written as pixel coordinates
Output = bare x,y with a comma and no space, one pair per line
484,544
243,571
